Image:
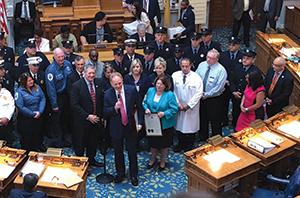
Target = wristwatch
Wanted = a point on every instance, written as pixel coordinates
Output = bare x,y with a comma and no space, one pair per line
246,109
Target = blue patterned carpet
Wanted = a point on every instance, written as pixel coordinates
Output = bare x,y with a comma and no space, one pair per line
152,183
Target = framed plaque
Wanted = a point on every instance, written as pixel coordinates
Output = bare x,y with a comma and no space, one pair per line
153,125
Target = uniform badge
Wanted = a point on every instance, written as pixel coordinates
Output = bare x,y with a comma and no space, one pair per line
240,60
282,76
167,49
7,82
201,55
125,68
8,59
73,63
40,60
6,71
16,96
42,82
4,97
50,77
16,64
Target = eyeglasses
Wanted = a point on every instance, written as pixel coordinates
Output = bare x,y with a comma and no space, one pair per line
35,65
274,65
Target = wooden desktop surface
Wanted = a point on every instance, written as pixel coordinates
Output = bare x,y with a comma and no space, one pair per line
283,118
60,190
12,155
201,175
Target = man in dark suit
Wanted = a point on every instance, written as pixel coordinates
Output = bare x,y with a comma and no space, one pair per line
207,44
279,83
8,53
162,48
241,14
118,63
269,11
119,104
238,81
25,14
149,60
68,52
7,76
130,46
142,36
229,59
193,51
86,99
77,73
187,19
173,63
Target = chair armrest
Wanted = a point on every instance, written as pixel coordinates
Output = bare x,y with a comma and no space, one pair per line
278,180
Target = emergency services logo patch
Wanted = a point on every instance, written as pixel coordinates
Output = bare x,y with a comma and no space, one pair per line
50,77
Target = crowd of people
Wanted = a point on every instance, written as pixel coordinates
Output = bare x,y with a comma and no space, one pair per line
188,84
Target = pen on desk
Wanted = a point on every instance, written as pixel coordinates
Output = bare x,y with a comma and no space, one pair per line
276,145
84,164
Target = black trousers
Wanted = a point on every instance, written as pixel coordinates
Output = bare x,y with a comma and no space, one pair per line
18,28
118,145
246,23
264,20
225,99
6,132
210,113
236,110
186,140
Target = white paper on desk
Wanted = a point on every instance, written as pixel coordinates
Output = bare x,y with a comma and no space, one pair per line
221,156
271,137
33,167
287,51
264,144
131,28
53,175
6,170
291,128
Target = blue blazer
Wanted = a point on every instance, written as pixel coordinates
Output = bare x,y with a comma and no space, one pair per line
142,83
166,104
132,100
188,21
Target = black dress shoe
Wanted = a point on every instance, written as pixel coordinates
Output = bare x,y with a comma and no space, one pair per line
95,163
43,148
161,168
151,166
177,149
247,44
118,179
134,181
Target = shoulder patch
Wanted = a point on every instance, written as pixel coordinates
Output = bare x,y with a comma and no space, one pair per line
16,64
50,77
16,96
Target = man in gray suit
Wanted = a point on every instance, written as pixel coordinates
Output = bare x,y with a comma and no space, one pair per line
241,13
269,11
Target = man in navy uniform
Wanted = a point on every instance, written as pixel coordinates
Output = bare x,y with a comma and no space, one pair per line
130,46
149,60
118,63
56,81
68,52
193,52
7,75
162,48
21,64
237,81
173,63
229,59
207,44
8,53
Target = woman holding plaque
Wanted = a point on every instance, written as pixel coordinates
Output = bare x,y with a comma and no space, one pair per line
161,100
160,66
31,102
137,78
252,101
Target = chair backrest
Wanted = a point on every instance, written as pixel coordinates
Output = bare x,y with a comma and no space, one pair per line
293,187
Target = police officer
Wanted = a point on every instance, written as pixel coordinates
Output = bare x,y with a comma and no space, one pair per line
193,51
6,76
56,81
173,63
68,52
130,47
8,53
118,63
162,48
21,65
238,82
149,60
207,44
229,59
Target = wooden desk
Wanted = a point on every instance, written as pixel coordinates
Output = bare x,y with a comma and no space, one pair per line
202,177
277,160
11,155
282,118
266,53
292,20
60,190
109,47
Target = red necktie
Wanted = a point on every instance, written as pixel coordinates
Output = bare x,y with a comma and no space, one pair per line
93,97
142,39
273,84
123,113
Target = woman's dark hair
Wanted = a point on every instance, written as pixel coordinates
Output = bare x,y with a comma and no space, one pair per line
165,80
139,10
38,32
23,80
255,80
99,16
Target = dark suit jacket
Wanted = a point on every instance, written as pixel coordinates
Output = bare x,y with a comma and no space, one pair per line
166,52
213,45
72,60
274,8
282,90
8,54
82,103
90,28
148,71
127,62
21,193
41,81
132,101
149,37
195,58
71,79
237,7
171,66
228,64
188,21
18,10
124,70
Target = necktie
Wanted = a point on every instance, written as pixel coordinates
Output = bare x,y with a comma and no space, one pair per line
93,97
266,6
35,77
145,5
244,69
206,46
26,12
147,66
160,47
195,51
130,59
232,57
123,113
177,62
205,78
81,75
183,12
273,84
184,79
142,39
